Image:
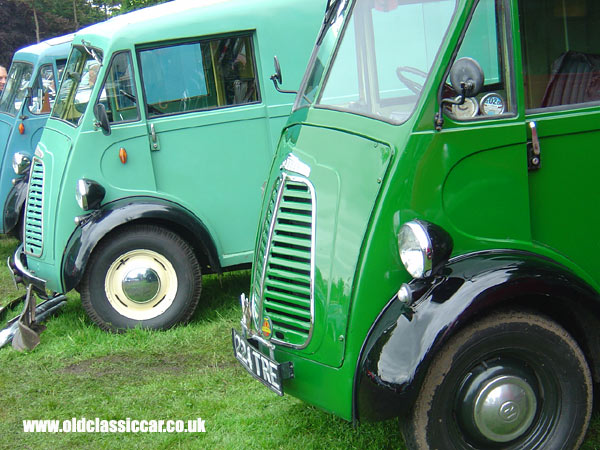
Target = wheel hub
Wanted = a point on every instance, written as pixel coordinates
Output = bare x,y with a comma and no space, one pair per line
141,285
504,408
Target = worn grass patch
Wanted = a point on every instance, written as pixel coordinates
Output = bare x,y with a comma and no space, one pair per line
184,373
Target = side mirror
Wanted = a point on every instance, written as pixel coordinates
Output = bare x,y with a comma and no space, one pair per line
101,118
466,77
276,78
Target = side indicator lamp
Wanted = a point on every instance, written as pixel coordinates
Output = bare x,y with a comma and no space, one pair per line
22,128
123,155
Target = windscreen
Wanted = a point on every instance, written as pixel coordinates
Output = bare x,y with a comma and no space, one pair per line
15,90
77,86
384,56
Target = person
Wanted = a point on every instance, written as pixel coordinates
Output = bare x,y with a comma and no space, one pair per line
3,76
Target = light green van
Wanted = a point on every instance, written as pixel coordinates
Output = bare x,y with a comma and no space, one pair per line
150,169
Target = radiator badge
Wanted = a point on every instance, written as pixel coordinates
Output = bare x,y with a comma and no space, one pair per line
293,164
266,328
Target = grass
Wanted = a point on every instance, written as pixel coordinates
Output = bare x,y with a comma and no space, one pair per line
184,373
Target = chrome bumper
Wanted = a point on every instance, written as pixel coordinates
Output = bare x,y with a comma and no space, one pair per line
20,273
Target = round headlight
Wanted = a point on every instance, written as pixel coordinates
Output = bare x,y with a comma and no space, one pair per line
415,249
21,163
89,194
424,247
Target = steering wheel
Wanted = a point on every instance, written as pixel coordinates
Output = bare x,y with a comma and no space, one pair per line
410,84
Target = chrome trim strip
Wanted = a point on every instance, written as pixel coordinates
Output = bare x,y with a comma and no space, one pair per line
33,163
268,245
311,189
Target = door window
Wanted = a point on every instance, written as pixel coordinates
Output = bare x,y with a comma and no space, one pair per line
199,75
561,52
118,94
43,91
485,42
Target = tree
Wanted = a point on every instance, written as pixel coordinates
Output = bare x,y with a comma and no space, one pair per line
130,5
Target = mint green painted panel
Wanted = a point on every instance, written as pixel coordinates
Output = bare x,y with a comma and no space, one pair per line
212,162
227,200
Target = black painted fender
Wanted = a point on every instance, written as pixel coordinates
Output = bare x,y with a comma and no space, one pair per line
13,206
94,226
405,337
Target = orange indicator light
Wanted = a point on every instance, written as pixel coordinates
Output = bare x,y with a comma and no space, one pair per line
123,155
21,128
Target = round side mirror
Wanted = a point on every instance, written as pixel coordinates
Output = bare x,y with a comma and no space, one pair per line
277,73
466,77
102,118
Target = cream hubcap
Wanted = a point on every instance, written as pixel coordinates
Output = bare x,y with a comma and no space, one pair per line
141,284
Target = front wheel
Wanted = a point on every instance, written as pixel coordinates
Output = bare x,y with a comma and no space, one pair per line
511,381
143,276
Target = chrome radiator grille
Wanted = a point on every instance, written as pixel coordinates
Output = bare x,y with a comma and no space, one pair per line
32,235
283,274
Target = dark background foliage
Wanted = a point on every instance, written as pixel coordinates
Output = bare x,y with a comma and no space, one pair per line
25,22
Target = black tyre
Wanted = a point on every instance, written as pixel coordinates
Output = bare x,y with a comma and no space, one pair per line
142,276
511,381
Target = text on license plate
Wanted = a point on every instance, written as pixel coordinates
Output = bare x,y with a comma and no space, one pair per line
261,367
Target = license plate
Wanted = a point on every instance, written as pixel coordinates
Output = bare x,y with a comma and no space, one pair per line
260,366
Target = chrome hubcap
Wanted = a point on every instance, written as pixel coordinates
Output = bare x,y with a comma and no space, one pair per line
504,408
141,284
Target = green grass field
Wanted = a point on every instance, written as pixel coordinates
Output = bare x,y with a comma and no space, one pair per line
184,373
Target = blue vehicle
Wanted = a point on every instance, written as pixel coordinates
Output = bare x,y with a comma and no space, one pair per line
25,105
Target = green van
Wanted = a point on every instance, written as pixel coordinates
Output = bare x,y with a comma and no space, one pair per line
150,169
422,250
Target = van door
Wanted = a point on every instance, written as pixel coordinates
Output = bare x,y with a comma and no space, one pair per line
124,157
561,76
208,134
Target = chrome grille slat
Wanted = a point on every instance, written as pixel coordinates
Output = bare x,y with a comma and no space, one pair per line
284,267
33,227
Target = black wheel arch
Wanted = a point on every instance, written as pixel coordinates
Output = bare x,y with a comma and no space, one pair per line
404,338
13,206
113,216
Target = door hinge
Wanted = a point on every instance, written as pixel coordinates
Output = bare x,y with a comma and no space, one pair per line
534,156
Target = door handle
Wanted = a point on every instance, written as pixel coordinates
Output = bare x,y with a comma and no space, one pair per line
534,153
154,139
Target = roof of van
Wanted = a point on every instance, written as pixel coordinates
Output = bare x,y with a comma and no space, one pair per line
169,20
58,46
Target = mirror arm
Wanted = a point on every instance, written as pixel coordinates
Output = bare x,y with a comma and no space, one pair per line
273,78
460,100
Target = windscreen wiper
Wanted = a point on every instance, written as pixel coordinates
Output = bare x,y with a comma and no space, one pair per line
90,51
330,15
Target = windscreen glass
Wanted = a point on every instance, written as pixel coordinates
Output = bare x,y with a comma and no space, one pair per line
15,90
77,86
384,57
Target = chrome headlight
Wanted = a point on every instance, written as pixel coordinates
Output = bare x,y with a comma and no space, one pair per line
89,194
21,163
424,247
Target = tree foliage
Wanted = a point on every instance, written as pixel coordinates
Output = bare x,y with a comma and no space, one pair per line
25,22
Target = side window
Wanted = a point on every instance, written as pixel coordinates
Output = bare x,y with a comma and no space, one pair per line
561,52
485,41
199,75
118,93
43,91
